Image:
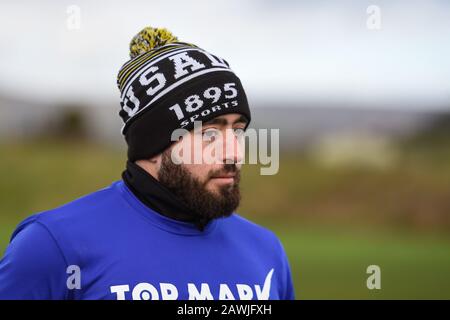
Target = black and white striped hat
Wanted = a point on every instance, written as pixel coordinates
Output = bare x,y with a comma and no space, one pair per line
168,85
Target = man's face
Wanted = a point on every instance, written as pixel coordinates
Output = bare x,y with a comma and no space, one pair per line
211,187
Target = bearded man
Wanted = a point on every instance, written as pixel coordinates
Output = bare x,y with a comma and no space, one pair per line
168,230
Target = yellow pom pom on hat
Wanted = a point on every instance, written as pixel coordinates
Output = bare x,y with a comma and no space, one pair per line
150,38
145,45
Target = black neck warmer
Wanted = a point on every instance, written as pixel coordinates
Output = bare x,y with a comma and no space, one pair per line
156,196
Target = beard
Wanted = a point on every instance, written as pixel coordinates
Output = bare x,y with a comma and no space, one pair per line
204,204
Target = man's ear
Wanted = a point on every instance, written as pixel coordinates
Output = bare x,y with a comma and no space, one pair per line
151,165
155,159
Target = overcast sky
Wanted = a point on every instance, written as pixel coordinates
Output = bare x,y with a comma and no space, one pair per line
282,50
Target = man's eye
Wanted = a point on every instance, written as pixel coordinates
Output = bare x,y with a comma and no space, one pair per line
210,133
238,132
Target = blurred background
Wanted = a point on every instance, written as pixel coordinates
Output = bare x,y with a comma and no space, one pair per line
360,91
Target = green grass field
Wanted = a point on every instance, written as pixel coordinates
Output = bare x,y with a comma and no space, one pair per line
331,264
329,253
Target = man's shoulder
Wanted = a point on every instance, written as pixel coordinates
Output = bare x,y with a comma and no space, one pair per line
92,202
240,224
75,211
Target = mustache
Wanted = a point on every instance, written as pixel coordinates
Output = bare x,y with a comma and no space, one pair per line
227,169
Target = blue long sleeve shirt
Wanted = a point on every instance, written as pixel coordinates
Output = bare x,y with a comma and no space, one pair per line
109,245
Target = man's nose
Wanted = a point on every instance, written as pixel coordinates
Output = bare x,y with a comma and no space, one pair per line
233,149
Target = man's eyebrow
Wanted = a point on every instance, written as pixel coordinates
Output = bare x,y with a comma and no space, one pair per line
220,121
224,122
241,119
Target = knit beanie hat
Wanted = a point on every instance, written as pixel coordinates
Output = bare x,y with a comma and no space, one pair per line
168,84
